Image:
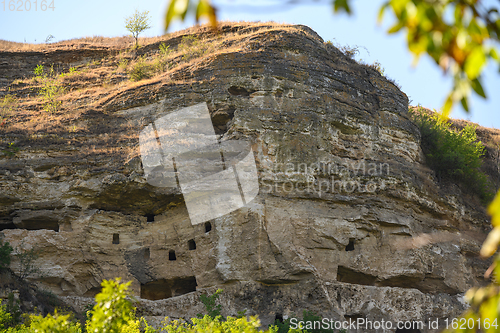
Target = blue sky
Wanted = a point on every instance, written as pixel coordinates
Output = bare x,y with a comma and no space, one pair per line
424,84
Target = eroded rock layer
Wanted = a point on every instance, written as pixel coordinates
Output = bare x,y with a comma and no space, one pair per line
348,222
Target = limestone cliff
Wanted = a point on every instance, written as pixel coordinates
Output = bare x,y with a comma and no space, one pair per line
348,222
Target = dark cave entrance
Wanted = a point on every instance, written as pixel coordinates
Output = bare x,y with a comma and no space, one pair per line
350,246
171,255
166,288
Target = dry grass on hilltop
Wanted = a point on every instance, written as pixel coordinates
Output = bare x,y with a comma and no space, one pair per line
119,70
123,42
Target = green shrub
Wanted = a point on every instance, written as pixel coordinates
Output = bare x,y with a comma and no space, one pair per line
113,310
39,71
53,324
5,317
50,91
5,251
51,88
452,154
216,325
141,70
209,302
161,63
72,71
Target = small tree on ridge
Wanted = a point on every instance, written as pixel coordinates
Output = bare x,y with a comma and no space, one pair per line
137,23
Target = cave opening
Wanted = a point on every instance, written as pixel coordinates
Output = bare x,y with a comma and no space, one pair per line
150,217
147,254
9,225
208,226
166,288
116,238
278,317
192,244
350,246
171,255
39,223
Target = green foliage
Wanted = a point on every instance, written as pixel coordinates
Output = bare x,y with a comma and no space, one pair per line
213,310
50,90
5,251
458,35
113,313
53,324
14,309
164,50
137,23
208,324
178,9
452,154
141,70
39,71
113,310
5,317
72,71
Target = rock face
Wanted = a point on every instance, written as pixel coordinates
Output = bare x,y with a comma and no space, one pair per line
348,222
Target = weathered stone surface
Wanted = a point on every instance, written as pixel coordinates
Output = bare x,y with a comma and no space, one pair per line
336,228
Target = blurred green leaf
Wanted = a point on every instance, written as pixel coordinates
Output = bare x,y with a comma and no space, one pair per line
475,63
478,88
176,9
341,5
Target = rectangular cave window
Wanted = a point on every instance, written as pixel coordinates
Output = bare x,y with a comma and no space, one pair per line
171,255
150,217
116,238
192,244
208,226
166,288
147,254
350,246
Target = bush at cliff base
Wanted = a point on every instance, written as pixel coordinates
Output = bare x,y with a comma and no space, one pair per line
114,313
